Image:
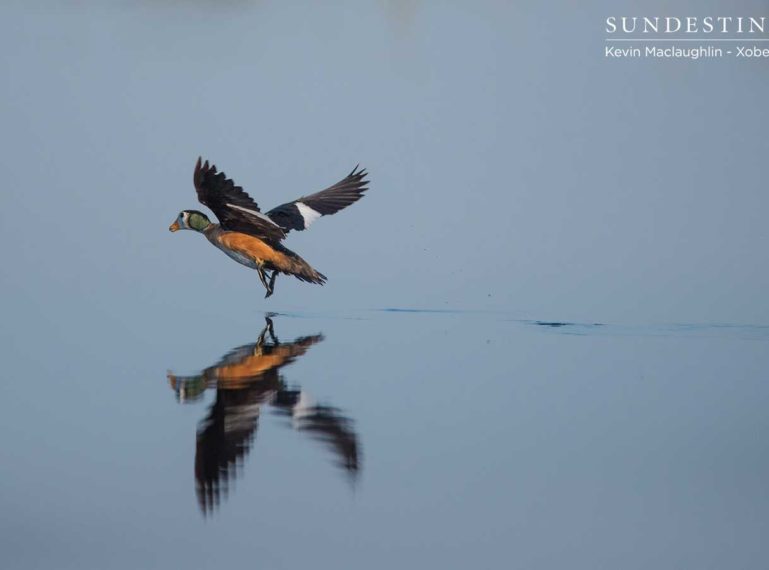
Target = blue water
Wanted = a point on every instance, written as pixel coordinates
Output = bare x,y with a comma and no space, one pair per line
543,342
385,438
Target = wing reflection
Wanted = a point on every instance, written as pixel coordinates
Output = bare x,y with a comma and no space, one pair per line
245,379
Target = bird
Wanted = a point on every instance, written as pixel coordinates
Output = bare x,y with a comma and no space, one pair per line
247,379
253,238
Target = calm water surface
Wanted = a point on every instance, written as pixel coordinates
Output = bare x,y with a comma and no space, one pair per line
587,209
388,439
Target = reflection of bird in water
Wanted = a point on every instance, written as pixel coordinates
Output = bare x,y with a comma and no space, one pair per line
244,379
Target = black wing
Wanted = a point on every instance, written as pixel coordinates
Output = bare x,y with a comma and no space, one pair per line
224,439
323,423
299,214
235,209
328,425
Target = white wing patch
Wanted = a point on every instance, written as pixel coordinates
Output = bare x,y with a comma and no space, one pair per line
302,409
254,213
308,214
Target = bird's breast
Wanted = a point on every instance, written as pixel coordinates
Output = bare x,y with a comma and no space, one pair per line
243,248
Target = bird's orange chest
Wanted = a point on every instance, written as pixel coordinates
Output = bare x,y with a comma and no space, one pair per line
252,366
246,249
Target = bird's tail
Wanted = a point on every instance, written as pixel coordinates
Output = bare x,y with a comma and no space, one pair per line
299,268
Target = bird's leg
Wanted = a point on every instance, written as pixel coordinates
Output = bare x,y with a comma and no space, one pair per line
271,330
263,278
262,336
271,287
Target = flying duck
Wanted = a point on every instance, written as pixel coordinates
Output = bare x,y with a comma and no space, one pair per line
253,238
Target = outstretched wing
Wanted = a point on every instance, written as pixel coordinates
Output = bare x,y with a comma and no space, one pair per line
323,423
224,439
329,426
235,209
299,214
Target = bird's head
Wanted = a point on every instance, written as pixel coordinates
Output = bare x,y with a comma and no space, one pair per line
188,388
190,220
